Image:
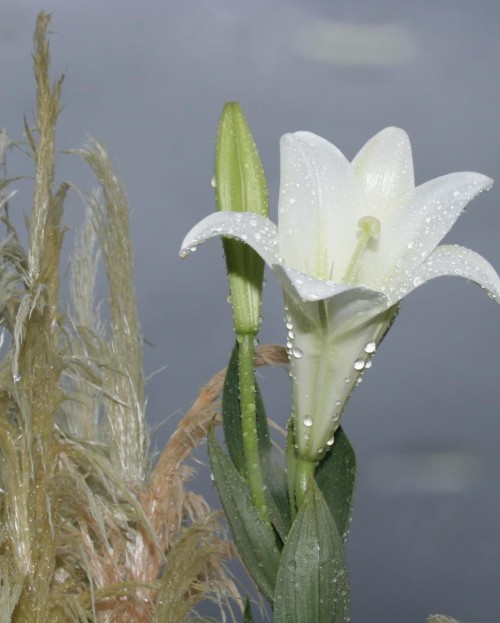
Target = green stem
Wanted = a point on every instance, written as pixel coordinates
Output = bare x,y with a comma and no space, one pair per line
304,471
249,425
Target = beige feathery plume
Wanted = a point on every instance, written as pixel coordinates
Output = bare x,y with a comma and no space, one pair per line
89,530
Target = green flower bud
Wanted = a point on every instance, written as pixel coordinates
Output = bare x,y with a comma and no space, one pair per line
240,186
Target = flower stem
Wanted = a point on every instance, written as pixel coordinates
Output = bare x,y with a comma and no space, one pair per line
249,425
304,471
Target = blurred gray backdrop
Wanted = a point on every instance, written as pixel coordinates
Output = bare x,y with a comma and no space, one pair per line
149,79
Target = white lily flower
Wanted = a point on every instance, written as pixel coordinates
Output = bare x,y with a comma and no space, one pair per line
353,240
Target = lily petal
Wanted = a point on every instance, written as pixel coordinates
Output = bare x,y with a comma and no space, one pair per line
418,226
257,231
345,302
384,167
318,206
327,353
451,261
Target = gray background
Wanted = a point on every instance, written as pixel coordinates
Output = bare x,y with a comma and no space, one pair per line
149,79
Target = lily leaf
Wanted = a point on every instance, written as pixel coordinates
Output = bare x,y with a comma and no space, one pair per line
278,503
255,542
231,418
335,476
247,615
312,584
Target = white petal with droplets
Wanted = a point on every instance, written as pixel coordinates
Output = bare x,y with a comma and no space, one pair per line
255,230
451,261
418,226
318,206
384,167
325,375
345,302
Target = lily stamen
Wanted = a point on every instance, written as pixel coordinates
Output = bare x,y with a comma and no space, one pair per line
370,230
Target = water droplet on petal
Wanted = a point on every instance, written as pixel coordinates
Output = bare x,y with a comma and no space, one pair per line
297,352
330,441
370,347
359,364
213,182
307,421
17,378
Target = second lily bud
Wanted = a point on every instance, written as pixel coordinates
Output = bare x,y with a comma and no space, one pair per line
240,186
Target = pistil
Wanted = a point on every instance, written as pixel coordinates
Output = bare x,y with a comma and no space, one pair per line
370,230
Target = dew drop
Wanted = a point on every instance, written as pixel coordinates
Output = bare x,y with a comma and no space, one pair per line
297,352
291,201
307,421
347,379
213,182
17,378
370,347
368,364
330,441
338,403
359,364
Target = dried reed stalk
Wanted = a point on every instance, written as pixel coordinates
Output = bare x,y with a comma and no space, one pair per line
88,530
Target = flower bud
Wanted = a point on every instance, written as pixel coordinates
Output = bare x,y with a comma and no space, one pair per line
240,186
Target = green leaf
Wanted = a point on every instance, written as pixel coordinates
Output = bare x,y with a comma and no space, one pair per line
255,542
247,615
312,584
278,504
291,466
335,476
231,413
231,418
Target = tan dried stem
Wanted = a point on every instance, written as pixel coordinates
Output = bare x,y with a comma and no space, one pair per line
85,534
170,474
